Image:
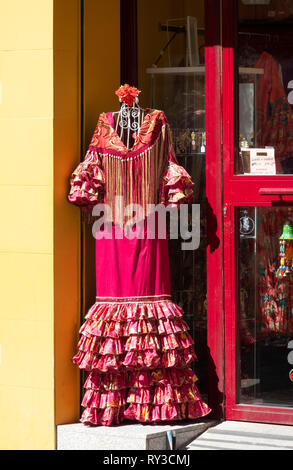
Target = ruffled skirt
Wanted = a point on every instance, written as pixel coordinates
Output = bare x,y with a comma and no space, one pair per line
138,356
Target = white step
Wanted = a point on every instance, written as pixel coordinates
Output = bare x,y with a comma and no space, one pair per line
239,435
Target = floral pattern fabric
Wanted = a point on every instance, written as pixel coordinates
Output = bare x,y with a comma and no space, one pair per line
87,183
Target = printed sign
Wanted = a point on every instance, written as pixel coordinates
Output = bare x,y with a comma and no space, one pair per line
262,161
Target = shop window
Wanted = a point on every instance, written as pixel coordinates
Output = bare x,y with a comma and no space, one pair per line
264,253
265,88
168,67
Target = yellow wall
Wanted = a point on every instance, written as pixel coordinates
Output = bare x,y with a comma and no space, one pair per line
66,216
26,236
40,236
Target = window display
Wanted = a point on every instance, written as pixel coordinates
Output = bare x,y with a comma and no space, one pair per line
265,77
265,304
134,342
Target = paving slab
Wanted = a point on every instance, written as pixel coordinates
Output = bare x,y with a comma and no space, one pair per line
239,435
130,436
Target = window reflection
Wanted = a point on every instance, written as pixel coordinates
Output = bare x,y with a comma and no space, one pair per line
265,104
264,304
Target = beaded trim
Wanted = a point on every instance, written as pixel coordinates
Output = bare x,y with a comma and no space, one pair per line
134,299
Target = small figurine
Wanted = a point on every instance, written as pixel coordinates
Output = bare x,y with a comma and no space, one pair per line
286,251
193,141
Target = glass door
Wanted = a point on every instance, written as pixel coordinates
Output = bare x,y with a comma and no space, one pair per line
258,210
264,304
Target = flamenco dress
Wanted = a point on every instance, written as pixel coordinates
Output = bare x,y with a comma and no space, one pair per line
134,342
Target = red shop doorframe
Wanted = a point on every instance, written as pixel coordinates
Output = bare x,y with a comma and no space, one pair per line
241,190
214,200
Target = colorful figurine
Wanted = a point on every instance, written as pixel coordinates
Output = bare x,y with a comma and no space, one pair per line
286,251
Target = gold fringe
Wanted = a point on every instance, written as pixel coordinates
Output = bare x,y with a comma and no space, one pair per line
136,178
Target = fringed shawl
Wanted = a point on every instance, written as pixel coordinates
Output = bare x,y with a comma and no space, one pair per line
147,173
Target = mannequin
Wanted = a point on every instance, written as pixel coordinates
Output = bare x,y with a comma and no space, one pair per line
134,342
129,119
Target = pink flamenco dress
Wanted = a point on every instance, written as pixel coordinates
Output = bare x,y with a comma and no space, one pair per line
134,343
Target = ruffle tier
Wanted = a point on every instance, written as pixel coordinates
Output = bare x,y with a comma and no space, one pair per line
168,412
105,398
134,335
176,186
138,357
104,417
87,182
145,396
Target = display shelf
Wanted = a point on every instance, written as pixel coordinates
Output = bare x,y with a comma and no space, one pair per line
189,154
197,70
176,70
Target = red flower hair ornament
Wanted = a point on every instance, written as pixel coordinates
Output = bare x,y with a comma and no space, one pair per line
127,94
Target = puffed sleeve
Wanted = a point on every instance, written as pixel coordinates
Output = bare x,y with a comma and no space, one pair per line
87,182
176,184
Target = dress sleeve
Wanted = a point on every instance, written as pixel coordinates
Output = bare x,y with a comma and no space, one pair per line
87,182
176,184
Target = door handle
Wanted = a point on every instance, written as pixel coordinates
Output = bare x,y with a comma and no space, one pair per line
276,191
